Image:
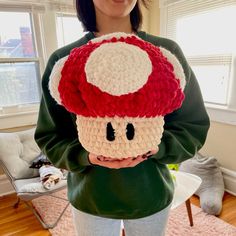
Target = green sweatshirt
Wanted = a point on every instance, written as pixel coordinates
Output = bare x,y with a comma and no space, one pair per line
126,193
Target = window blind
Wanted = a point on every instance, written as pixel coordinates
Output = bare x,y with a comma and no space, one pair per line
61,7
194,3
210,60
21,6
215,61
39,6
176,9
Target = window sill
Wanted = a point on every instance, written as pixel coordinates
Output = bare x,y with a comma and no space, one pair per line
18,119
221,114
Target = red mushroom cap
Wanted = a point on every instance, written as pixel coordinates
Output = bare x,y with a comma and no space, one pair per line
159,96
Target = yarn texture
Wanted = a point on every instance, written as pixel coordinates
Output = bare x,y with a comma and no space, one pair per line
120,87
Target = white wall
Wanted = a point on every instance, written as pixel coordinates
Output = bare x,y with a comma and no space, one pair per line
221,143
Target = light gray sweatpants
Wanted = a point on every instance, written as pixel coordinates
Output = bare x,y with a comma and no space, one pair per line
90,225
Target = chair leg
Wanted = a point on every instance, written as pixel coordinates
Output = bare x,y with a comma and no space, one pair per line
123,232
189,210
16,205
43,223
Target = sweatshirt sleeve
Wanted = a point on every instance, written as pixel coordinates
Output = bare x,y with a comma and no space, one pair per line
56,132
185,129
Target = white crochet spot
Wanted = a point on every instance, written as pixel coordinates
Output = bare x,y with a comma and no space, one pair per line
117,35
118,68
92,134
178,69
55,78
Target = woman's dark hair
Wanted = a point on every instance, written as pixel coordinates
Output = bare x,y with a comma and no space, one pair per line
86,14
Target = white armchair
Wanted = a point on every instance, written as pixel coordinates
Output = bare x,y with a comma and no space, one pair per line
17,152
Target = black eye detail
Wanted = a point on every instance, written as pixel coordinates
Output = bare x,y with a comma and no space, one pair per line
110,132
129,131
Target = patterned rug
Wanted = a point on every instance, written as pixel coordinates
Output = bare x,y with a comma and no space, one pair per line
178,225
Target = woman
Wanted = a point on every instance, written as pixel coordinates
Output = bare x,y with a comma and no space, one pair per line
103,190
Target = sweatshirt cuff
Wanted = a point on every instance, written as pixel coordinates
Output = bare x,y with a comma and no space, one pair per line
83,158
161,152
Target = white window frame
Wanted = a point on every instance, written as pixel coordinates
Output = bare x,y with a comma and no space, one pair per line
61,14
21,115
44,28
219,113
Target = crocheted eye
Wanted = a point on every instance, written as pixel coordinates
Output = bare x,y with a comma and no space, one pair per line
110,132
129,131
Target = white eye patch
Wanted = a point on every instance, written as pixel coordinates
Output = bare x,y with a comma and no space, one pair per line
55,78
118,68
178,69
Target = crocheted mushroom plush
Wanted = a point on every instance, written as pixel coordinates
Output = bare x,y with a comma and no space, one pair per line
120,87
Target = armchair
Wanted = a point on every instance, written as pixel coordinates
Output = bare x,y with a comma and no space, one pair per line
17,152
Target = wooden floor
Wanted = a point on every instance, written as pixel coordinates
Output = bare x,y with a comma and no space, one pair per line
228,213
21,222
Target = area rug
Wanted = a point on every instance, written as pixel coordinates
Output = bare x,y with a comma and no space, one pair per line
178,223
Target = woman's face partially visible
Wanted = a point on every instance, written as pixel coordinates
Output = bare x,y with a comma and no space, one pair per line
114,8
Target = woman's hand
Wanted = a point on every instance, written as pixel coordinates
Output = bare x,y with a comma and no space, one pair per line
114,163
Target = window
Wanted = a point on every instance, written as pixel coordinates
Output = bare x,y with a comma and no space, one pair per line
204,30
19,64
29,32
69,29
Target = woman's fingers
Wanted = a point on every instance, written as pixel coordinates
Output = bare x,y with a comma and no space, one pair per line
137,161
117,164
114,163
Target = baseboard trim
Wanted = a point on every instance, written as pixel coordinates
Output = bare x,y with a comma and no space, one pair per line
5,186
229,180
